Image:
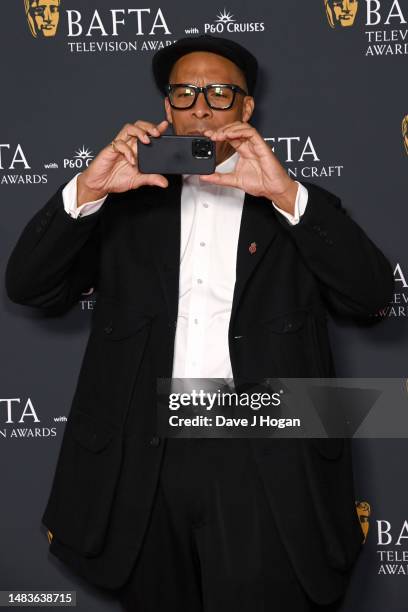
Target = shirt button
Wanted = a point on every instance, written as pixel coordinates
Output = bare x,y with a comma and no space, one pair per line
195,320
202,243
205,204
199,281
155,441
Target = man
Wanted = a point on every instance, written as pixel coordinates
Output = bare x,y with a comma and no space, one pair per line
225,275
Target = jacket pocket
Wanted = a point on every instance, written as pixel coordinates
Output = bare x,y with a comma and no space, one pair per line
111,365
285,341
84,484
115,320
289,323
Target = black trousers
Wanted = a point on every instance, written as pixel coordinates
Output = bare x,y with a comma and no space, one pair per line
211,544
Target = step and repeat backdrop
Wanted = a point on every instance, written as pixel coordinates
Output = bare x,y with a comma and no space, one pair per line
331,101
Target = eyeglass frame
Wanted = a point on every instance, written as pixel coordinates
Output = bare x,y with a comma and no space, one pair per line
197,90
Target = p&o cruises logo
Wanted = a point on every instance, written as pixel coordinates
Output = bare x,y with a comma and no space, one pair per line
81,159
226,22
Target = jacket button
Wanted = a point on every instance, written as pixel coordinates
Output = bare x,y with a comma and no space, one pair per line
108,328
43,222
155,441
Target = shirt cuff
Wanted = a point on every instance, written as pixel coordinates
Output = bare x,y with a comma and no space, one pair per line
300,205
69,197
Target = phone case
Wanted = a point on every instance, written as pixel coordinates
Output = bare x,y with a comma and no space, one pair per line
175,155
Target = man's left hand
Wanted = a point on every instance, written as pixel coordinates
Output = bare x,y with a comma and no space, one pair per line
258,171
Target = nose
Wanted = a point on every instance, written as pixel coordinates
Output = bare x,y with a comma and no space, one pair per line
47,14
201,108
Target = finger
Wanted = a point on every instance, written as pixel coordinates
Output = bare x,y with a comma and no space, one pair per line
137,131
141,130
132,144
237,132
243,129
228,126
152,128
163,125
121,148
226,179
140,133
236,142
153,180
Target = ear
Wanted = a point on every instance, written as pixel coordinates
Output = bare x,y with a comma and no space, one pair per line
248,108
168,109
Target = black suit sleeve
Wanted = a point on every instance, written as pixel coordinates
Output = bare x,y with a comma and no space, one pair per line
55,259
356,278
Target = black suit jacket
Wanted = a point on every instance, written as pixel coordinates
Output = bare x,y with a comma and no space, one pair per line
110,455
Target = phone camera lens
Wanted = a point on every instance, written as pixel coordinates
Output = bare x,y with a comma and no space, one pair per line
202,148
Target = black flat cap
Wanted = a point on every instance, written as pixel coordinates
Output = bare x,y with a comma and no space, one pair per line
164,59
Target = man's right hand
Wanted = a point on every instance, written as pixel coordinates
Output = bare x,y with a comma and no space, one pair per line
115,169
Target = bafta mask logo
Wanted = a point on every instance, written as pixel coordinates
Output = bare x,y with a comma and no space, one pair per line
363,510
341,12
405,132
42,17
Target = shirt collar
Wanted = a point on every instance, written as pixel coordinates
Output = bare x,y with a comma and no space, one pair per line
228,165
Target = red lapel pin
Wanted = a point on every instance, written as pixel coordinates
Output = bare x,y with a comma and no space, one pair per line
252,248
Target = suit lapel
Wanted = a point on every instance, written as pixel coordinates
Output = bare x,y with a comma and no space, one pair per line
166,219
258,229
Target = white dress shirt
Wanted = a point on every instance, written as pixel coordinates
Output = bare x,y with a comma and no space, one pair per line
210,223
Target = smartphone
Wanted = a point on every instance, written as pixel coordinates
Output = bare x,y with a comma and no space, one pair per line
177,155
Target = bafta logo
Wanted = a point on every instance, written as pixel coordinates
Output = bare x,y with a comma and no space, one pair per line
42,17
341,12
405,132
363,510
